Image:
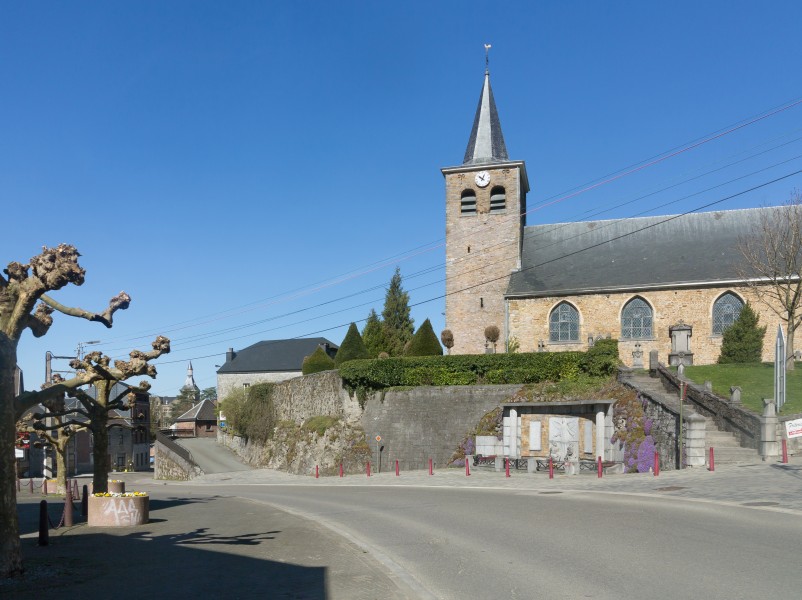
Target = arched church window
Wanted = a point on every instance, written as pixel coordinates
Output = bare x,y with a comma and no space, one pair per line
468,203
725,311
498,199
636,320
564,323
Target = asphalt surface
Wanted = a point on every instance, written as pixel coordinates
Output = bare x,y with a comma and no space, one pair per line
249,533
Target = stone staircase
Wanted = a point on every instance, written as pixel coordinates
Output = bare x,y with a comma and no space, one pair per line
726,449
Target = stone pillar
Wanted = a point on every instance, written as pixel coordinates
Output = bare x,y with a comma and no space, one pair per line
513,442
695,449
600,431
531,465
653,362
769,448
499,463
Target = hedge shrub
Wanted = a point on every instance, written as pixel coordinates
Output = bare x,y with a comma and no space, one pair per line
352,348
364,376
250,412
316,362
424,342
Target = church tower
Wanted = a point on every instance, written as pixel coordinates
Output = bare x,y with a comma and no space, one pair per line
485,214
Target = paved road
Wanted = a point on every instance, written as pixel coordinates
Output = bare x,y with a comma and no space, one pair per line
212,457
733,533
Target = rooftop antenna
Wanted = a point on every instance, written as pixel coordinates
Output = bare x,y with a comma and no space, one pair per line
487,58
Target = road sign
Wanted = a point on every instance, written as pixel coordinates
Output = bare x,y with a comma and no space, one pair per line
378,438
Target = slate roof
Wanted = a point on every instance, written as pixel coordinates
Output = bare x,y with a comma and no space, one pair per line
202,411
486,144
632,254
273,356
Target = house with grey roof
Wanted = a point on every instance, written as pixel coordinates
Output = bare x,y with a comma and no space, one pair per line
198,421
267,361
669,283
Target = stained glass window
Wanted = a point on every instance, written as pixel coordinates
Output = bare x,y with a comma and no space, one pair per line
564,324
636,320
725,311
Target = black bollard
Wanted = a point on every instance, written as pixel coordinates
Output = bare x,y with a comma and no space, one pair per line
85,502
68,508
44,531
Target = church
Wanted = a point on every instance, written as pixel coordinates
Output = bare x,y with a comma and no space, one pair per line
669,283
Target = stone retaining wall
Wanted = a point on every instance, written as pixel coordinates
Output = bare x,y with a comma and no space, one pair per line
170,465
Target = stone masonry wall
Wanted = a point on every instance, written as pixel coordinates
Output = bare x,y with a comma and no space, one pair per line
169,465
226,382
600,314
428,422
481,249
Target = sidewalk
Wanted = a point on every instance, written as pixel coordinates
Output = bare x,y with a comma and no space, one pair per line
194,545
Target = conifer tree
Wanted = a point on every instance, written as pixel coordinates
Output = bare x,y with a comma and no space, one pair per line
352,348
743,340
373,335
425,342
398,324
316,362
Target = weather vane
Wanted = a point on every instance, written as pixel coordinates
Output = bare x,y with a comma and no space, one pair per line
487,58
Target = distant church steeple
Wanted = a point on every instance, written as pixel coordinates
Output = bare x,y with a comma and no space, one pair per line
189,383
486,144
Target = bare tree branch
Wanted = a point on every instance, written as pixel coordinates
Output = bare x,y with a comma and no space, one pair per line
120,302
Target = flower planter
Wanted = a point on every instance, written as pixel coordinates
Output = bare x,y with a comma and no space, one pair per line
116,487
118,511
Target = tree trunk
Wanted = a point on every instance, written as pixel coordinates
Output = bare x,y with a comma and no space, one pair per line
10,553
100,453
60,448
789,344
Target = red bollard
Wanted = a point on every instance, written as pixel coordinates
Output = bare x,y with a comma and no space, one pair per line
317,471
341,469
44,487
431,467
467,467
368,469
599,466
397,471
551,468
712,466
68,507
785,451
656,464
507,467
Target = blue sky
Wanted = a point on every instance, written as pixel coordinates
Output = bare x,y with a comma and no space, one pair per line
228,164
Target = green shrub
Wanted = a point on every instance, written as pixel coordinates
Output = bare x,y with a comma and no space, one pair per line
424,342
352,348
316,362
743,340
250,413
601,359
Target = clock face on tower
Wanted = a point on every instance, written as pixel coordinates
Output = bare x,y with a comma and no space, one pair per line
482,178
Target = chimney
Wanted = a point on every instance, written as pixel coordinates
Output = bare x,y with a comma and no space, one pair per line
230,354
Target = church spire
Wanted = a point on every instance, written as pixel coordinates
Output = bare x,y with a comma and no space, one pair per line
189,384
486,144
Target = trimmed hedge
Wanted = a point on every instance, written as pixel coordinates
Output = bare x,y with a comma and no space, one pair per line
352,348
316,362
364,376
424,342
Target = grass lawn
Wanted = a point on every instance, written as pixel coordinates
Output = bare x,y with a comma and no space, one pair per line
756,381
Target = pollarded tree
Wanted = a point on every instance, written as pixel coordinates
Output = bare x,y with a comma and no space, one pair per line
772,268
352,348
25,304
424,342
398,324
743,340
447,337
373,335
